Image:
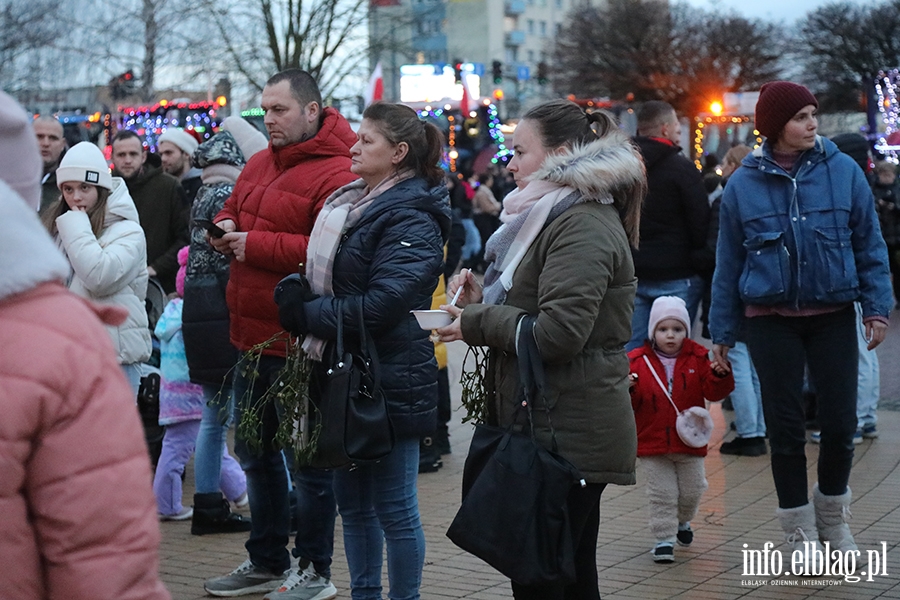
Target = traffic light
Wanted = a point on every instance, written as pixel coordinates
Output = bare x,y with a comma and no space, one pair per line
122,85
497,69
542,75
457,70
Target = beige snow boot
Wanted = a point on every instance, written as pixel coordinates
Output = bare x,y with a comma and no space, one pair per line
831,519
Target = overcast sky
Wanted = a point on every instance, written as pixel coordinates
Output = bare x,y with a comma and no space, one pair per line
787,11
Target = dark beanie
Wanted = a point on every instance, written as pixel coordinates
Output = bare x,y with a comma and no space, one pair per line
778,102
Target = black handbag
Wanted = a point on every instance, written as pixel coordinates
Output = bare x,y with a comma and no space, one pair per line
351,409
514,513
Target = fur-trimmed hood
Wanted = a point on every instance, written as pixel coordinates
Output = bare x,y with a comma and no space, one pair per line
610,166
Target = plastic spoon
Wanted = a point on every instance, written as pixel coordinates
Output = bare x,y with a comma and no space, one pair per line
456,295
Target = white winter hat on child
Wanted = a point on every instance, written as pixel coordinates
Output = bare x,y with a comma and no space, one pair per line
84,163
668,307
185,141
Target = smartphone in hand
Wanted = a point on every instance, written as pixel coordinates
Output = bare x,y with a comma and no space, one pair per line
213,229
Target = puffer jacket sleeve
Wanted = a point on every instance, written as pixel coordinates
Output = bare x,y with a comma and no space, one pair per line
104,270
80,461
280,251
409,251
715,388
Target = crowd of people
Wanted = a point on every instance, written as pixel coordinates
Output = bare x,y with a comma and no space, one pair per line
610,243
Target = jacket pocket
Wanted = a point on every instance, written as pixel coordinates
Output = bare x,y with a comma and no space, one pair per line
766,269
835,270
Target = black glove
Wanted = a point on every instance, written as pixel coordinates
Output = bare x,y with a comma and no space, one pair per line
291,294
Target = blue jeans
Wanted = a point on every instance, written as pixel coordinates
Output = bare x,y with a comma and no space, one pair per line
690,290
214,469
780,346
267,485
746,397
378,503
133,373
473,240
869,385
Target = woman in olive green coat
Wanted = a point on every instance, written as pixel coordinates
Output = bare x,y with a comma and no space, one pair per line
563,255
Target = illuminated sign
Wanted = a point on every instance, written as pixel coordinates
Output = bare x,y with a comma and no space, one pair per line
433,83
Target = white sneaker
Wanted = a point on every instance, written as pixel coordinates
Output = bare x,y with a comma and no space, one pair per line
184,515
242,501
304,585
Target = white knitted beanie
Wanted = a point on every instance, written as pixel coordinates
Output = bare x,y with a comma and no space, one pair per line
668,307
185,141
84,163
248,138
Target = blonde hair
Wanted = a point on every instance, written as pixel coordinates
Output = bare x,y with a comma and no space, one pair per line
736,154
885,166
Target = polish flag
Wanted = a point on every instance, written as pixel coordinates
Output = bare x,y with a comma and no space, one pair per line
375,89
466,97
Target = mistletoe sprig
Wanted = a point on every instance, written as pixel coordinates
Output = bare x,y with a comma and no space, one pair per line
474,394
290,393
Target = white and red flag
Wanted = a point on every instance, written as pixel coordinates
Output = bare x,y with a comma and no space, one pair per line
375,89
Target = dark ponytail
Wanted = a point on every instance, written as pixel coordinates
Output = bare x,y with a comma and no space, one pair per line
399,123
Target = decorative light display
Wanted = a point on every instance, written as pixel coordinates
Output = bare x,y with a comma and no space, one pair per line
434,114
493,123
886,90
497,135
150,121
702,122
452,154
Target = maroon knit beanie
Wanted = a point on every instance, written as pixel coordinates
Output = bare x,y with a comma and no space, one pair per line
778,102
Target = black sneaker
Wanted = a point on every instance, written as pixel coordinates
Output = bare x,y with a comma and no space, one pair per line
751,446
685,537
664,552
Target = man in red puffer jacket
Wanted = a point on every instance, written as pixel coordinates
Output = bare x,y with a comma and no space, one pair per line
268,220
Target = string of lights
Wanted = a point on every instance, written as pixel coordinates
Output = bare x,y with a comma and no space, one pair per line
150,121
702,122
886,84
493,124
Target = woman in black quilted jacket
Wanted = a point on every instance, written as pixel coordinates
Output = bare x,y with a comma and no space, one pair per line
378,243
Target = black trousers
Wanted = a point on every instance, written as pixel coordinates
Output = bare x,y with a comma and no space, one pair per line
584,518
780,347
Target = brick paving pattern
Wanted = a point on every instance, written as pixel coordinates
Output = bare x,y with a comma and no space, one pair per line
738,508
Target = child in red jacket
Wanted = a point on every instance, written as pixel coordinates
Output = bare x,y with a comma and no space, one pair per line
676,478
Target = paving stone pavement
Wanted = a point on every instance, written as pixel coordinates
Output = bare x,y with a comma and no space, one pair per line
738,509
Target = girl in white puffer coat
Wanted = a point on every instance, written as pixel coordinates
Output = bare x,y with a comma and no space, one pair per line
96,225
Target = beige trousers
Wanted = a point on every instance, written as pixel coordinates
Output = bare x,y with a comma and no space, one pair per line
675,484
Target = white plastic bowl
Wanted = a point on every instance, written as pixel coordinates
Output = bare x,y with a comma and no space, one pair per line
432,319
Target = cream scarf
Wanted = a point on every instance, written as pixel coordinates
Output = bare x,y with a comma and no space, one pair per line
342,210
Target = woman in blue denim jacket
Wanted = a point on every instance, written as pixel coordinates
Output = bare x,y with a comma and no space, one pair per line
799,242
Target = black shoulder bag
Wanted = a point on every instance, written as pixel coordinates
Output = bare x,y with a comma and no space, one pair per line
514,514
351,408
